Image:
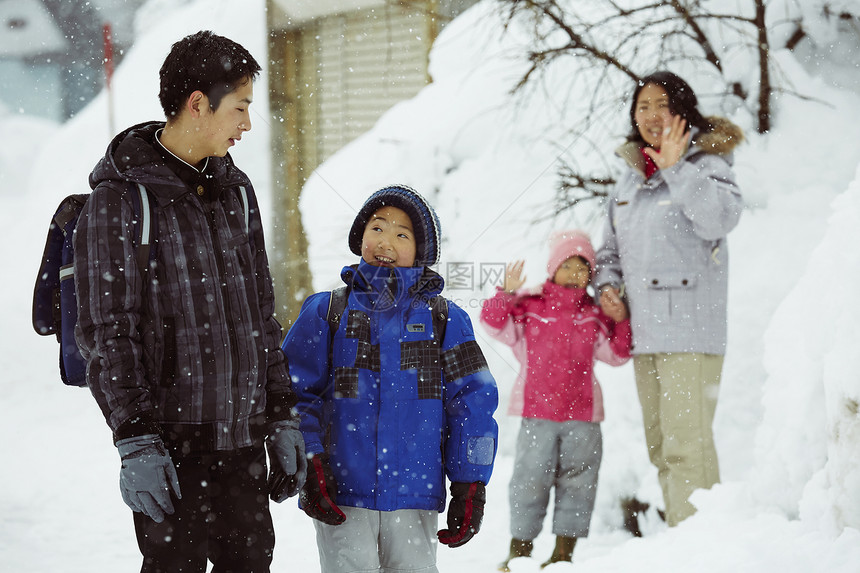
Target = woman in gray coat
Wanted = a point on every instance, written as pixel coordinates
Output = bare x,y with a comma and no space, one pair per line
664,251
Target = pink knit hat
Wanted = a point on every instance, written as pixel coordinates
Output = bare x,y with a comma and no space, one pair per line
566,244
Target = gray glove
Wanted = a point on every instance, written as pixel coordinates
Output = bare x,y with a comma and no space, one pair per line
147,476
287,454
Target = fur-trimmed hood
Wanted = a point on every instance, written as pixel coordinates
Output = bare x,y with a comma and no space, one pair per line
722,139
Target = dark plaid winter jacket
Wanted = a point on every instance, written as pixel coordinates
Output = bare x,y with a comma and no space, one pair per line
188,349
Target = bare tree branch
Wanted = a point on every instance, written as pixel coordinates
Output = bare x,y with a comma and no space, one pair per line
697,34
576,41
620,43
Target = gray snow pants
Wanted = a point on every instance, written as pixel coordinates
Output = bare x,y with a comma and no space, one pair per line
566,455
369,541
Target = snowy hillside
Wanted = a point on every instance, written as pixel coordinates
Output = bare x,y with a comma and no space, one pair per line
787,423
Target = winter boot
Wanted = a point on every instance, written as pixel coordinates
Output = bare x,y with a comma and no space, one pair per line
518,549
563,550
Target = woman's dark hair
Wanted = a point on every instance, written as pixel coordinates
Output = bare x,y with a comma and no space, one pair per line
682,101
204,61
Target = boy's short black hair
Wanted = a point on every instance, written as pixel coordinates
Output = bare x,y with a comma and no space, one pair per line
204,61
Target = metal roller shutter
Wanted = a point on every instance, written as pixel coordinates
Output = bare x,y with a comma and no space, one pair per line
364,62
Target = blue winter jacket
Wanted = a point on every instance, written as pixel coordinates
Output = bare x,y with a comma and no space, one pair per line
395,413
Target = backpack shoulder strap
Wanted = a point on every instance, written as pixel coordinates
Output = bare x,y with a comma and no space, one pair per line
249,205
142,215
145,220
246,207
68,211
439,308
336,306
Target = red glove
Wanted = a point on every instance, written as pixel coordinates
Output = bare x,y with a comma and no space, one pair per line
465,513
320,489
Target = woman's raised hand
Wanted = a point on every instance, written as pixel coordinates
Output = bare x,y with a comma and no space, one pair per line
673,142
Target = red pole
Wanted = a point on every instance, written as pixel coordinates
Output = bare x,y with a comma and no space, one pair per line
107,43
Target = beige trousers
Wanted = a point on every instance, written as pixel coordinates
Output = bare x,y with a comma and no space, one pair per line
678,394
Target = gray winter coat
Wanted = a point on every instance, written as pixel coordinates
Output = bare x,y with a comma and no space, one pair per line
190,348
665,242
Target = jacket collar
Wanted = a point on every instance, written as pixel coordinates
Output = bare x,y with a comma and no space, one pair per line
558,294
369,281
132,156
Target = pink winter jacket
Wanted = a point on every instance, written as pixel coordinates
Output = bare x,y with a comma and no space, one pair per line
556,335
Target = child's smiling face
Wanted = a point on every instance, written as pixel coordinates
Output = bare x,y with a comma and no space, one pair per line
573,273
389,240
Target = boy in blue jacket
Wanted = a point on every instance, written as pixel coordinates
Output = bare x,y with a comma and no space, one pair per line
389,408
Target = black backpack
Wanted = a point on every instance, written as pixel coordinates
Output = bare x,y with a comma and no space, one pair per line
337,304
55,303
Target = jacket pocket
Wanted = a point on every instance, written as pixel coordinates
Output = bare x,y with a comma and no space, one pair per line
237,240
671,280
672,293
240,246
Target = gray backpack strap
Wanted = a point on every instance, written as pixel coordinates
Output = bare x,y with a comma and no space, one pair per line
144,235
243,197
145,217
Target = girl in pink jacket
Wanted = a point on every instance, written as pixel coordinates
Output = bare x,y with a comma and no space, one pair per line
556,332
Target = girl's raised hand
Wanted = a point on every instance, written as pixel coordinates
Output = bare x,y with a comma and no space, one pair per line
514,277
673,142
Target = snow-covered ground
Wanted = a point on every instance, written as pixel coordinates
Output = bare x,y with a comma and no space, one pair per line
787,426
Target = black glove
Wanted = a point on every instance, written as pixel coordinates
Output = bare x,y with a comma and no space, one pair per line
465,513
320,489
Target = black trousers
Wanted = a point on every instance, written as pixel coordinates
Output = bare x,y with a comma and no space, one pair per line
223,517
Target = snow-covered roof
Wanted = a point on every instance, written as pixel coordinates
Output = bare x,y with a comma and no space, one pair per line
27,29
